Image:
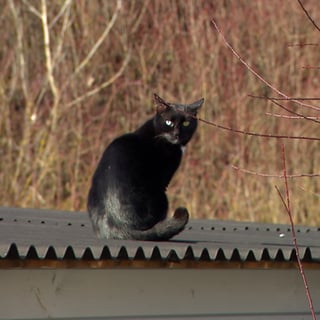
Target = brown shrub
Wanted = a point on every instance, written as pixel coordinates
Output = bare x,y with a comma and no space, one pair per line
64,100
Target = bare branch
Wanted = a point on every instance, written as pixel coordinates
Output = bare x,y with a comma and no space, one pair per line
100,40
285,116
18,22
103,85
282,199
22,64
49,65
308,15
255,73
66,6
140,17
57,51
32,9
310,67
285,108
291,99
303,45
66,21
47,52
266,175
310,192
286,204
255,134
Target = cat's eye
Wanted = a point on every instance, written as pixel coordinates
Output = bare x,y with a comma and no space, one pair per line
169,123
186,123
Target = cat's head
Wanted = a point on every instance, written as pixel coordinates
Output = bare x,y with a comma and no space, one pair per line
176,122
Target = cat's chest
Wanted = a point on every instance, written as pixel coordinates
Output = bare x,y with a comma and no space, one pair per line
167,154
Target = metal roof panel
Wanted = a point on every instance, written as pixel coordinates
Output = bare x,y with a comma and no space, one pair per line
50,234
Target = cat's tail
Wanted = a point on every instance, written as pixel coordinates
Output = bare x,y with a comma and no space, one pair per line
165,229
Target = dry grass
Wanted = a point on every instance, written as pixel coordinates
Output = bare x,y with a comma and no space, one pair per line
75,74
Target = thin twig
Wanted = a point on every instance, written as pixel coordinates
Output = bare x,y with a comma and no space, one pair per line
32,9
308,15
285,108
103,85
303,45
255,73
310,192
287,205
292,98
311,67
280,176
255,134
64,7
65,24
100,40
286,116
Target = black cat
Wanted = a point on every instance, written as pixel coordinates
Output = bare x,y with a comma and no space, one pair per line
127,198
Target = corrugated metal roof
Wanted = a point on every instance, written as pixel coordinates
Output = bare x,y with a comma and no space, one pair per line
48,234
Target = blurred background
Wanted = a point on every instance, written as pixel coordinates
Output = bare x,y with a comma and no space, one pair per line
76,74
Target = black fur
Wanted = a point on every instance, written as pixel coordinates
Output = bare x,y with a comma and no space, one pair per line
127,198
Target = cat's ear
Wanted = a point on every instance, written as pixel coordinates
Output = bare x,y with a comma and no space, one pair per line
194,106
160,104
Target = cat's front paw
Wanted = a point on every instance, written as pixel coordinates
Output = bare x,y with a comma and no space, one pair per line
182,215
